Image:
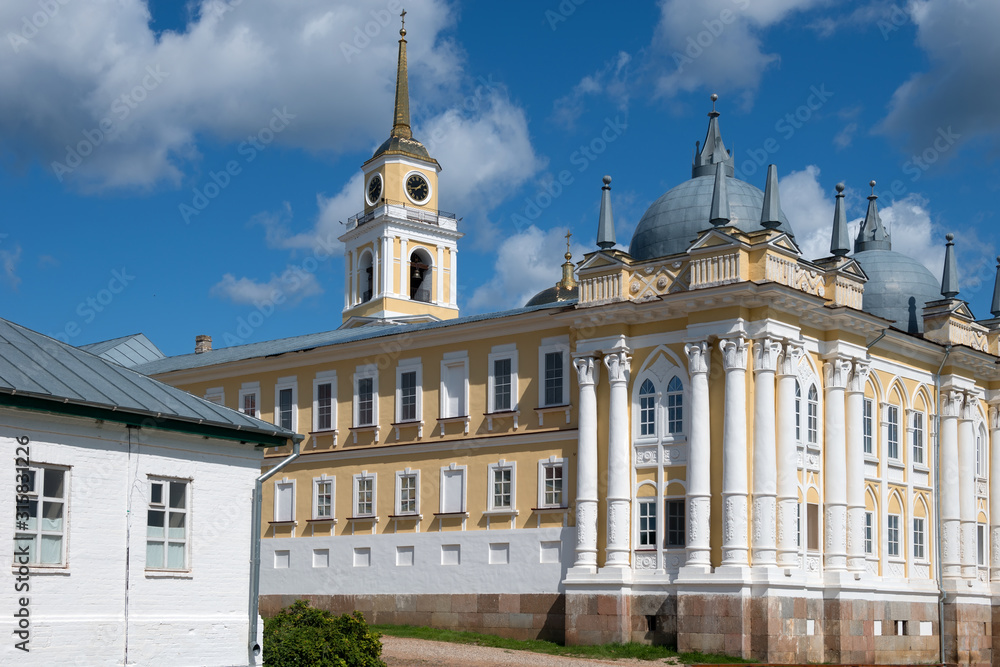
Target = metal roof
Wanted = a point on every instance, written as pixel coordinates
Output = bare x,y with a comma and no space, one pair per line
126,351
34,366
309,341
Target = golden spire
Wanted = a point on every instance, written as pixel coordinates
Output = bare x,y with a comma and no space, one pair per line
568,281
401,119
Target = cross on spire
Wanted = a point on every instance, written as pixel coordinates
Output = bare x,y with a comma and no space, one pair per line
568,234
402,16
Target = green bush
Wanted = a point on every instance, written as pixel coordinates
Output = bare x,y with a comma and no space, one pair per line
303,636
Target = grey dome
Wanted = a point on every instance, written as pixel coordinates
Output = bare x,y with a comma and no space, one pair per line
898,287
674,220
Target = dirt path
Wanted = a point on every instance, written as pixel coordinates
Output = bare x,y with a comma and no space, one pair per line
400,652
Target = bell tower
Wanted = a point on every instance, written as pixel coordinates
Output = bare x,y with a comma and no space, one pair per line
400,251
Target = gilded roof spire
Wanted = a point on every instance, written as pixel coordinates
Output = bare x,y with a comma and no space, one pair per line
872,235
568,281
401,118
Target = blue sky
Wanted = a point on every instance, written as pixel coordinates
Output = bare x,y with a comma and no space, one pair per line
163,96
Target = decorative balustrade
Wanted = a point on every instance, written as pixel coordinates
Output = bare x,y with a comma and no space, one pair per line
717,270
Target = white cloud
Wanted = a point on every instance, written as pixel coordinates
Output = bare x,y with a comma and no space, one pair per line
293,285
137,104
9,259
611,80
717,42
526,263
809,209
845,137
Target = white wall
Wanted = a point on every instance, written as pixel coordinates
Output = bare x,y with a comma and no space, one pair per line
78,613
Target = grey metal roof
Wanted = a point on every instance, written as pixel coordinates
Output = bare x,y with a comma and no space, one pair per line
126,351
310,341
897,289
36,366
674,220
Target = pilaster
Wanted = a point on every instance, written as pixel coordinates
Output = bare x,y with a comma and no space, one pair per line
588,375
854,420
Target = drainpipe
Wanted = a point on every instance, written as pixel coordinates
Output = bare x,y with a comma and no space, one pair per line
253,647
939,570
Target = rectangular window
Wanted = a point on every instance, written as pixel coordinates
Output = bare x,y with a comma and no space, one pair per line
981,543
918,437
406,491
553,378
676,528
892,432
285,408
647,523
550,477
286,403
798,524
284,501
812,424
323,499
325,401
453,490
647,414
892,534
503,478
812,526
364,495
675,407
918,539
501,385
366,401
250,399
869,533
454,386
868,422
40,522
408,396
166,525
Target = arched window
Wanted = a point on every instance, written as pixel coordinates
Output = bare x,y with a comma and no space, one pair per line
365,278
798,411
812,425
981,462
675,406
420,277
647,409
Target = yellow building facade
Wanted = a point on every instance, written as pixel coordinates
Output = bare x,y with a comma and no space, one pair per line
706,439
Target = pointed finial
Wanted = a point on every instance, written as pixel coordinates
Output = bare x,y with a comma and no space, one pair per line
995,307
840,240
949,280
872,234
401,116
714,150
402,29
569,255
714,99
769,214
606,222
720,198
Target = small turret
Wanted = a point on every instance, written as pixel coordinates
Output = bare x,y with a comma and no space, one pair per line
872,235
770,212
949,279
714,151
720,198
606,223
840,240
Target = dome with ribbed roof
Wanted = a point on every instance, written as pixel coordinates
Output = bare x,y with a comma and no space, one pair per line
898,287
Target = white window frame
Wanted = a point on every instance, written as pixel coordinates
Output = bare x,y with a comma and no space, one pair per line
407,473
317,482
640,503
454,360
247,389
919,539
870,537
890,425
216,395
498,353
982,544
868,425
812,415
918,437
654,399
465,488
363,372
667,394
37,494
543,465
891,543
982,458
364,475
323,378
554,344
490,481
165,507
410,366
276,514
284,383
680,500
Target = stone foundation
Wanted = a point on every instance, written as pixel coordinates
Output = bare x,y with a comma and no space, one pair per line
967,634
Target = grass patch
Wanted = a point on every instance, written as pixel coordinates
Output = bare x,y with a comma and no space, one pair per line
606,651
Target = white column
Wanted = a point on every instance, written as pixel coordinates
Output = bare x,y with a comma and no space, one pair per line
835,465
699,466
404,268
453,297
765,470
388,288
855,405
619,460
787,452
995,492
951,405
734,453
348,282
588,371
438,283
967,486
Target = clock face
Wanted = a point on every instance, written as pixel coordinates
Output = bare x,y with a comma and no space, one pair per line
417,188
374,189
